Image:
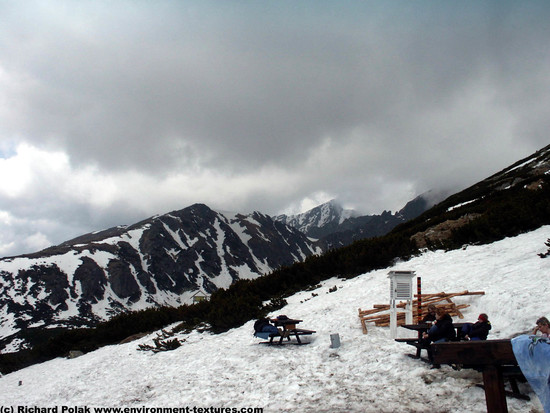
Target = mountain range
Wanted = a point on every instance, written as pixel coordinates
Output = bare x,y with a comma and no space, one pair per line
338,227
166,260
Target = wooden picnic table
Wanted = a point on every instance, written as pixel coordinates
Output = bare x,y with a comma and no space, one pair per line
491,356
286,323
289,329
422,328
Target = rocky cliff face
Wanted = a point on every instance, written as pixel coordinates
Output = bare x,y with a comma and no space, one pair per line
320,221
163,260
337,227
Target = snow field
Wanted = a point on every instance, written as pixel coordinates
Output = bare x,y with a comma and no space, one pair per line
368,373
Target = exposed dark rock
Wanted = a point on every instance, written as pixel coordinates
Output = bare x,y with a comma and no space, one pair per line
161,260
122,281
92,281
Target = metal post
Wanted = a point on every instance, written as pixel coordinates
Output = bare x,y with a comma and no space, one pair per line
393,319
408,312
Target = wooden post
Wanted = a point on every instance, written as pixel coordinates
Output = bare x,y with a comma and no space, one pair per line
495,397
419,299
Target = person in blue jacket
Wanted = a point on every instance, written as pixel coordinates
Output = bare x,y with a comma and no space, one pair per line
264,326
442,330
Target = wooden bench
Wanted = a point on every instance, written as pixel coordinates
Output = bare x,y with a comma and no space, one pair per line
493,357
412,342
417,342
296,332
301,331
408,340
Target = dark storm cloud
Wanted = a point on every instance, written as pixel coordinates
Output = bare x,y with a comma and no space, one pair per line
370,102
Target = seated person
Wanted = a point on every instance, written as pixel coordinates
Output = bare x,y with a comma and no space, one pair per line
442,330
264,326
431,316
543,325
477,331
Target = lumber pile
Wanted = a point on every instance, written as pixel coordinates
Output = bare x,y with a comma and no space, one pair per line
442,299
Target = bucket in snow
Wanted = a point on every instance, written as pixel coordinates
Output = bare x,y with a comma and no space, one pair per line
334,340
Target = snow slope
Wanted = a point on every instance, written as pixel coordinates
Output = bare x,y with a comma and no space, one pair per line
368,373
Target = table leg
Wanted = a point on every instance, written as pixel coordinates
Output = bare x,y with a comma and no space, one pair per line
418,348
495,396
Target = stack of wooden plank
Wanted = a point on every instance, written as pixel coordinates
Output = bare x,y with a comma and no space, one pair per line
441,299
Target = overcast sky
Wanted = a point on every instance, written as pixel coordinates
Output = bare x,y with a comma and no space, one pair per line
114,111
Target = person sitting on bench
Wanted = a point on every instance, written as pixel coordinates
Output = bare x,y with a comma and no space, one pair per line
264,326
478,330
442,330
432,314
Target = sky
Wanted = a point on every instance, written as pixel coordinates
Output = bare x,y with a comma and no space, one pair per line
111,112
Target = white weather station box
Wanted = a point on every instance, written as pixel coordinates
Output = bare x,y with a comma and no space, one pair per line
401,289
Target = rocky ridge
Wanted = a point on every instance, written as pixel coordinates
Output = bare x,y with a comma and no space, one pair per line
163,260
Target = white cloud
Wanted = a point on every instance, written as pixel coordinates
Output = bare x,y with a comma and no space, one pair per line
29,166
16,234
110,113
37,241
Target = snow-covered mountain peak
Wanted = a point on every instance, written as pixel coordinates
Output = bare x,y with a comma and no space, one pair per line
163,260
330,213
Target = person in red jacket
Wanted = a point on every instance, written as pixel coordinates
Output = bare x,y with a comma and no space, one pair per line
479,330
